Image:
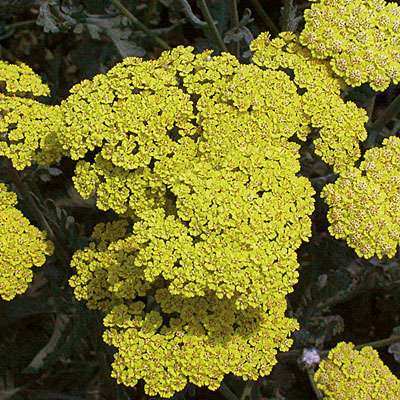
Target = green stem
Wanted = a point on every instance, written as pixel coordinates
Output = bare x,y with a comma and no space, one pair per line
140,25
227,393
369,106
21,23
24,193
375,345
211,25
234,16
387,115
375,128
265,17
310,374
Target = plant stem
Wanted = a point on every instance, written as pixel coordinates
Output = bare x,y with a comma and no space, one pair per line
265,17
375,345
234,16
375,128
317,392
227,393
233,11
392,109
140,25
211,25
369,106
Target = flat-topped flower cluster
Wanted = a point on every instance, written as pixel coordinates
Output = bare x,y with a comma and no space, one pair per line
348,373
22,246
199,158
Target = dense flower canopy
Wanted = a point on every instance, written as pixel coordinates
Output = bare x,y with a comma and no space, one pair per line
360,39
27,127
198,156
213,208
365,202
339,123
22,246
351,374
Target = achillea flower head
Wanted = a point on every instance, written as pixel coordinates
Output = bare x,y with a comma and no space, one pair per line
205,339
340,123
351,374
22,246
365,202
214,212
240,211
27,127
359,38
20,80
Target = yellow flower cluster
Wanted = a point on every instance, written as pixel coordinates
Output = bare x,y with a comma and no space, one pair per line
340,124
27,127
365,202
21,81
360,38
205,339
194,151
351,374
22,246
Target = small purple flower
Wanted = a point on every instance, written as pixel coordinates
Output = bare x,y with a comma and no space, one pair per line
311,357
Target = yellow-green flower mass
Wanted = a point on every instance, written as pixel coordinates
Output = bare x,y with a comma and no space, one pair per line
193,151
22,246
351,374
28,131
359,38
365,202
27,127
340,123
20,80
195,340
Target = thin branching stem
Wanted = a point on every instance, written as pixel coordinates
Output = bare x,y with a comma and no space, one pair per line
234,16
227,393
392,109
211,25
375,128
310,374
140,25
265,17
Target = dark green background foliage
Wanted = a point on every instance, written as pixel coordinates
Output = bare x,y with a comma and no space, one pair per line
51,345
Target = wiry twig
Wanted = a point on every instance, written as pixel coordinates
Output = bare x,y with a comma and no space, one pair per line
265,17
211,25
140,25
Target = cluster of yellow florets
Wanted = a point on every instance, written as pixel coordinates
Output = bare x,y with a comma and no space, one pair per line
340,124
21,81
22,246
205,338
360,38
215,213
27,127
365,202
351,374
